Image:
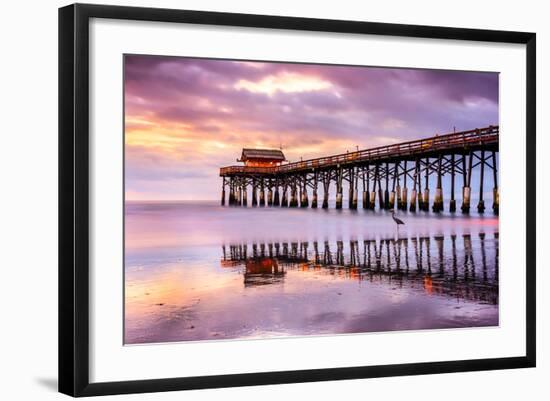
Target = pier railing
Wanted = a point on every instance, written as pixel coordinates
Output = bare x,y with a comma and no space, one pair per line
453,141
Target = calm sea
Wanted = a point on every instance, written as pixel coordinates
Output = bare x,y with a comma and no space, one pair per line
199,271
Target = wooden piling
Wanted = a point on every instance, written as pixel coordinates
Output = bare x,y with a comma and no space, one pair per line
326,189
262,193
304,201
339,196
365,190
231,192
467,176
353,187
350,190
381,203
270,197
355,194
370,204
314,199
238,195
426,199
481,202
438,198
314,194
395,189
386,191
284,196
452,203
293,194
276,199
254,195
404,189
412,206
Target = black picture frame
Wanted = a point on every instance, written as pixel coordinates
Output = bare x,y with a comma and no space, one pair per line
74,198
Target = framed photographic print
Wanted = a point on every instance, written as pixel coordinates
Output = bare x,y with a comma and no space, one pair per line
251,199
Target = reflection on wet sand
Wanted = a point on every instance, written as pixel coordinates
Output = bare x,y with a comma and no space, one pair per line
448,266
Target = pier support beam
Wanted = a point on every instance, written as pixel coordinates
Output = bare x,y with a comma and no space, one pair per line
452,203
314,195
395,190
326,188
365,189
306,197
293,196
339,196
403,205
391,201
481,203
438,199
354,201
413,201
244,196
397,198
284,201
231,192
395,180
223,193
314,199
380,191
270,197
276,199
386,191
350,191
412,207
426,199
304,201
262,195
254,194
467,176
466,195
353,189
372,200
370,204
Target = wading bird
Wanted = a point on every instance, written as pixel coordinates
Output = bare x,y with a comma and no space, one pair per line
397,221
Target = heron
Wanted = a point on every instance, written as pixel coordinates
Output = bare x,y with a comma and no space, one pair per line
397,221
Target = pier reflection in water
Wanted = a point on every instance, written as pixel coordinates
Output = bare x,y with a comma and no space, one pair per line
435,265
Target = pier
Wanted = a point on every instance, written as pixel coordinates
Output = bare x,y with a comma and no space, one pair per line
388,177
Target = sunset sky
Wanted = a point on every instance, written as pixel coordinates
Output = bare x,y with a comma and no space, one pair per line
185,118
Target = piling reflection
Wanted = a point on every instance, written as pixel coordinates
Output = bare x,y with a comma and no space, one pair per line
451,266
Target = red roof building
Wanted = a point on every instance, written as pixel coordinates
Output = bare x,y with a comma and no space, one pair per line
262,157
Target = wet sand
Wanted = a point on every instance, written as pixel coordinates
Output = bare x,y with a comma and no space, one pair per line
197,271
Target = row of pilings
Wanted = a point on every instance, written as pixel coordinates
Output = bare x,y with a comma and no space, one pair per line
292,189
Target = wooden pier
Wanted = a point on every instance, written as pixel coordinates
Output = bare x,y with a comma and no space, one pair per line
389,177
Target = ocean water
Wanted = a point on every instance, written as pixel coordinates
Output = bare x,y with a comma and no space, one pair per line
200,271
